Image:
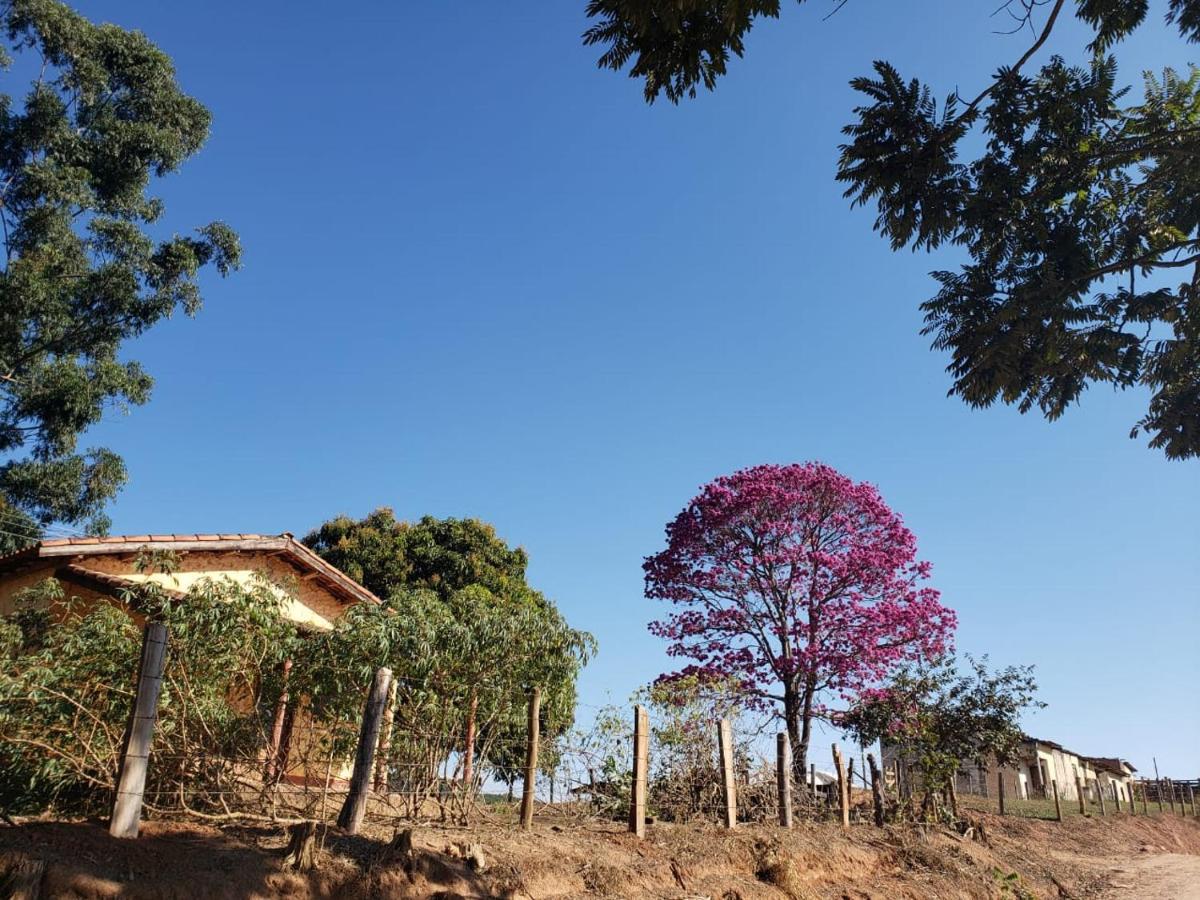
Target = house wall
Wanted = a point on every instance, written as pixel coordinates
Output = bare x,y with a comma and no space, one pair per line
1109,781
12,585
311,605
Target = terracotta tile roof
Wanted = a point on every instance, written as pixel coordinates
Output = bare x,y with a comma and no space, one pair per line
156,539
283,545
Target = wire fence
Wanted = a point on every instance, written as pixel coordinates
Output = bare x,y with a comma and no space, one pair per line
245,751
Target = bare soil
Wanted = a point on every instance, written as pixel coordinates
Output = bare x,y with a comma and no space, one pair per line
1152,858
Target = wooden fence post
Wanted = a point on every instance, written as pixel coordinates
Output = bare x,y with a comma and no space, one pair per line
843,792
385,743
1100,796
1145,806
1116,796
1079,794
876,788
641,763
1158,792
783,775
531,758
729,790
139,735
1000,790
812,774
355,806
1057,801
1192,798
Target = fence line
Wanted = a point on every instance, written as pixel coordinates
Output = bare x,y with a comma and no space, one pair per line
387,767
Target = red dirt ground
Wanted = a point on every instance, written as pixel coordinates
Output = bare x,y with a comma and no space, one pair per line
1144,857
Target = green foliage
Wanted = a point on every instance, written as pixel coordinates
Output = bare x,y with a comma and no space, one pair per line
673,45
1076,209
369,550
463,632
1074,217
67,675
81,274
941,716
17,529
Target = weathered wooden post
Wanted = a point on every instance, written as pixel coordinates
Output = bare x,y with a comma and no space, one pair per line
812,774
385,744
1000,790
355,807
1100,795
1158,792
139,734
1079,794
1057,801
729,790
531,758
843,794
1192,798
641,764
876,788
783,775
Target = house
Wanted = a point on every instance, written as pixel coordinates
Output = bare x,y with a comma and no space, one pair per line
1114,776
94,568
1039,767
100,569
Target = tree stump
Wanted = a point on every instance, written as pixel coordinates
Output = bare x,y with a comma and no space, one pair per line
301,849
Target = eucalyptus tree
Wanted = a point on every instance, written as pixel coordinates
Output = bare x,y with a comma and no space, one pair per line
81,273
1078,206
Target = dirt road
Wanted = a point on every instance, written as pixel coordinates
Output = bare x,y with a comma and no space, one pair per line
1161,876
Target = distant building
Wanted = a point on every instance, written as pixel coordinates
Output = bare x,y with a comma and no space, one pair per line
1040,766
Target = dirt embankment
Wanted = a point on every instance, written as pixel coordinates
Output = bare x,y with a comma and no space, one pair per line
1155,857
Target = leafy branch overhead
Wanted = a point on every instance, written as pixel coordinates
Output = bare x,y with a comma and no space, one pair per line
1080,212
81,273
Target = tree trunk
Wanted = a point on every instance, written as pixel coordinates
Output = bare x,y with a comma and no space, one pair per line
469,749
797,710
791,723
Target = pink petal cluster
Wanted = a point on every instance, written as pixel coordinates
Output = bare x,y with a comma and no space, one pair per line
795,576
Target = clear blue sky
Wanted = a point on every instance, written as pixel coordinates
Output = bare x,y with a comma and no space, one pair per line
484,279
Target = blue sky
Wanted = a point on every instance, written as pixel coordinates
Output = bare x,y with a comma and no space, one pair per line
485,279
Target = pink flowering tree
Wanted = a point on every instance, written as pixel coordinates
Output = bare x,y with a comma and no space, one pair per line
799,583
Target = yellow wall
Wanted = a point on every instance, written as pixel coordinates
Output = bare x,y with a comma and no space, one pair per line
312,605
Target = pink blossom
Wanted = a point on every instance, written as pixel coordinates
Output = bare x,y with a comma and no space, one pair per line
798,582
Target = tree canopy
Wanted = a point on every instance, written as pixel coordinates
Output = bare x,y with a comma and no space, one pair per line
942,715
457,599
1079,211
799,584
81,273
